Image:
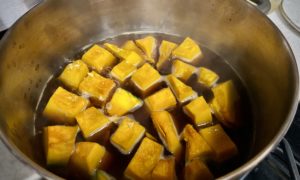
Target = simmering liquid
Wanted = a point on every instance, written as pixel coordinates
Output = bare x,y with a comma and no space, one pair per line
242,136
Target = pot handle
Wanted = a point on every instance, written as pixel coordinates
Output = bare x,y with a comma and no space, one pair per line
263,5
291,160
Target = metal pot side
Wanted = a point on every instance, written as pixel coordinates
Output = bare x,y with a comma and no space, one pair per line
39,43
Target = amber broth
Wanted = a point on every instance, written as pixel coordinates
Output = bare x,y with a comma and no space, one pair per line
243,137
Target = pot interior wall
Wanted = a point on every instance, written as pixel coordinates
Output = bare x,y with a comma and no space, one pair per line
35,48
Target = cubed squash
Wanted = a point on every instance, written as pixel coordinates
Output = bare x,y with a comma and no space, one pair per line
123,71
207,77
196,146
167,132
134,59
59,143
131,46
220,142
73,74
187,51
199,111
161,100
99,58
196,169
183,92
86,158
225,103
131,57
102,175
123,102
145,79
148,46
164,169
128,134
115,50
144,160
91,121
165,50
63,106
96,87
182,71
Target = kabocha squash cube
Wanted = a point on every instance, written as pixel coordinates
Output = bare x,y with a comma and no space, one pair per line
73,74
99,58
145,79
128,134
187,51
129,56
59,142
164,169
144,160
220,142
182,70
86,158
134,59
196,146
102,175
131,46
165,50
148,46
63,106
165,127
123,71
207,77
182,92
196,169
91,121
96,87
199,111
115,50
161,100
123,102
225,103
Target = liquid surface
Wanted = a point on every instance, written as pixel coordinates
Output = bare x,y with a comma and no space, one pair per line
242,137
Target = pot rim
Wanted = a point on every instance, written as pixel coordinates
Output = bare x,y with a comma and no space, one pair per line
238,172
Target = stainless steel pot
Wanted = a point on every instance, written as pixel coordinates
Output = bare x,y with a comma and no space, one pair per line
38,44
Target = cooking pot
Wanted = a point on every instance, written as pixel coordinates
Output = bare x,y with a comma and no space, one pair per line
41,41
